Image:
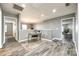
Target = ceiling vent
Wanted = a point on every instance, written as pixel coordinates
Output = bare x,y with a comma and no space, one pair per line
19,8
67,4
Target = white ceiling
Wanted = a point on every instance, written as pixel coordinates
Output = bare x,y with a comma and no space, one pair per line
32,12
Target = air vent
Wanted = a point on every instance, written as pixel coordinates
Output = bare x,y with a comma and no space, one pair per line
18,7
67,4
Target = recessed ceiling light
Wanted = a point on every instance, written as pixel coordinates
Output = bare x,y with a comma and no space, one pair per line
23,5
42,15
54,10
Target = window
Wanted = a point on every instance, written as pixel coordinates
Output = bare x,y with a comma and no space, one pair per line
24,27
5,28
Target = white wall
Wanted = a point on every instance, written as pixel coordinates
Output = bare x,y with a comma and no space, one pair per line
78,28
0,28
54,25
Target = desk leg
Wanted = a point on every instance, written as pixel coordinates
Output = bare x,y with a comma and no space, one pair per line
40,36
28,38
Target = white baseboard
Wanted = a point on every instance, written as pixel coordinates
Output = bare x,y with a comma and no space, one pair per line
46,39
0,46
41,39
75,46
22,40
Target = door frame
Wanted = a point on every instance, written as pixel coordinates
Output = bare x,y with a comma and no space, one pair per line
73,18
74,30
4,27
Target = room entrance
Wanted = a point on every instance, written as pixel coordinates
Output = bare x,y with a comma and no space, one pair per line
10,30
68,29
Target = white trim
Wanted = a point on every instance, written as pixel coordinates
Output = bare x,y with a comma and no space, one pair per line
10,17
0,28
48,29
61,29
67,18
78,27
22,40
19,24
46,39
1,46
74,33
27,40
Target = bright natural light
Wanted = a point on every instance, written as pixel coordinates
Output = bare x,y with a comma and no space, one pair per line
24,27
5,28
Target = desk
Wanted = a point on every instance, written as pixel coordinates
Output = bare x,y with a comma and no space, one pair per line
34,36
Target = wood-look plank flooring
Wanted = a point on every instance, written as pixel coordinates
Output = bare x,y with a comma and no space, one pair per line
12,48
38,48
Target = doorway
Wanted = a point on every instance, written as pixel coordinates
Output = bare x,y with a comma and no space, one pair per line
68,32
10,30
